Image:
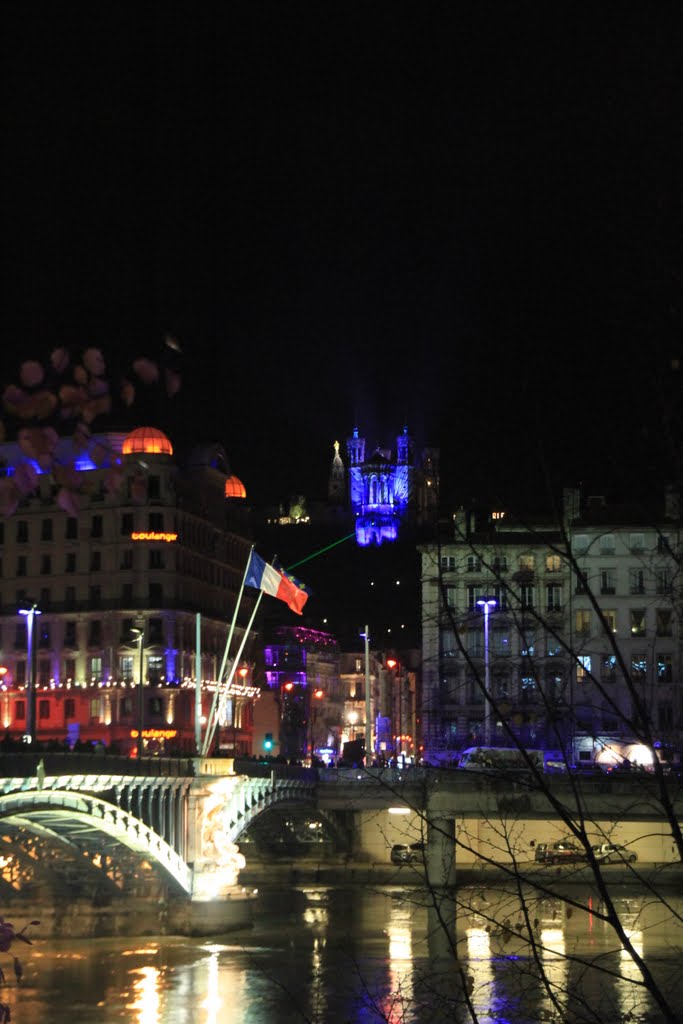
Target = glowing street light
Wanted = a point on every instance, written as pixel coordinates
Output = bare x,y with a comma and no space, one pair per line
487,604
30,611
139,635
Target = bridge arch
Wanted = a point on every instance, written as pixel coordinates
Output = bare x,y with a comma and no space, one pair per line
67,814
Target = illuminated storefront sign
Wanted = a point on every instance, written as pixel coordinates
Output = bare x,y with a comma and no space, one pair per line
155,734
150,535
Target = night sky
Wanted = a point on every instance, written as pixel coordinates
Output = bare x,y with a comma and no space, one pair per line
466,218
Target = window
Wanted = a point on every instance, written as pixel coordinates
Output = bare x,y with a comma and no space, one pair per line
156,631
127,593
96,526
45,565
20,673
473,595
43,633
156,560
43,710
156,522
127,524
663,618
451,594
553,563
473,563
70,669
528,689
636,581
449,646
608,581
608,668
70,633
500,595
156,595
664,668
526,595
637,619
447,563
46,529
44,597
474,639
22,532
554,687
665,716
500,641
527,642
664,543
95,633
553,597
69,708
663,581
95,561
126,707
20,710
553,647
583,668
636,542
526,563
96,669
127,667
154,488
127,558
580,544
95,596
499,564
610,617
21,565
608,544
20,636
70,562
639,666
582,620
155,668
71,528
70,596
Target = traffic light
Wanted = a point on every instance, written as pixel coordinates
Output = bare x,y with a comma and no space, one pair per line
268,741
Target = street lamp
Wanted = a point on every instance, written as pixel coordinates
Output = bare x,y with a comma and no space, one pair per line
487,604
30,612
392,663
139,635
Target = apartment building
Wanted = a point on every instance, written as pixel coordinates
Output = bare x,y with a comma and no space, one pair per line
122,562
566,635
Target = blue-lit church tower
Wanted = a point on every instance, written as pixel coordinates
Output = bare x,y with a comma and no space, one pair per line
389,487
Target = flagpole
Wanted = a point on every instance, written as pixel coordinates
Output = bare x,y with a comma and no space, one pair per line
208,739
210,726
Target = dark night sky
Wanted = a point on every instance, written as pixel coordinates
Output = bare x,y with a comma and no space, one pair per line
462,217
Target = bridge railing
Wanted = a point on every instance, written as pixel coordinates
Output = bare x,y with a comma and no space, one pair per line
19,765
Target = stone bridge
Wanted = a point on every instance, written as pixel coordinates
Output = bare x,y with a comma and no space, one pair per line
105,825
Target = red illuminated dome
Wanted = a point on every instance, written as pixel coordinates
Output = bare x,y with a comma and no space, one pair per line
234,488
147,441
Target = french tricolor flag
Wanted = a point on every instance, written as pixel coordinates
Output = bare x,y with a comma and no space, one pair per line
275,582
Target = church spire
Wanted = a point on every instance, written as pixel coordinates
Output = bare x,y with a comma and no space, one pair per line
336,486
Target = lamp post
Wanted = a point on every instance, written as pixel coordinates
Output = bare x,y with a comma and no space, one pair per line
140,637
487,604
30,611
392,663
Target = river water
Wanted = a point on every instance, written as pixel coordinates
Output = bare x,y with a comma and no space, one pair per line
337,955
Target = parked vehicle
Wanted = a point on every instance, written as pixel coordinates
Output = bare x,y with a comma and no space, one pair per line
502,759
541,852
402,853
606,852
562,852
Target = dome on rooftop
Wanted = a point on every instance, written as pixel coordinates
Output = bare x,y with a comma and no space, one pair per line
234,488
147,441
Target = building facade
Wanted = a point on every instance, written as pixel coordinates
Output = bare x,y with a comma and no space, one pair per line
564,635
129,562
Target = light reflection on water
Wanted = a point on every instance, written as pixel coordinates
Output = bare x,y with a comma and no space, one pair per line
335,956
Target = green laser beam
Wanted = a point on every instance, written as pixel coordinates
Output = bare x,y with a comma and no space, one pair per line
322,551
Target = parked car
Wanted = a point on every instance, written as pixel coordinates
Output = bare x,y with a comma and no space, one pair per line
402,853
541,852
607,852
562,852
